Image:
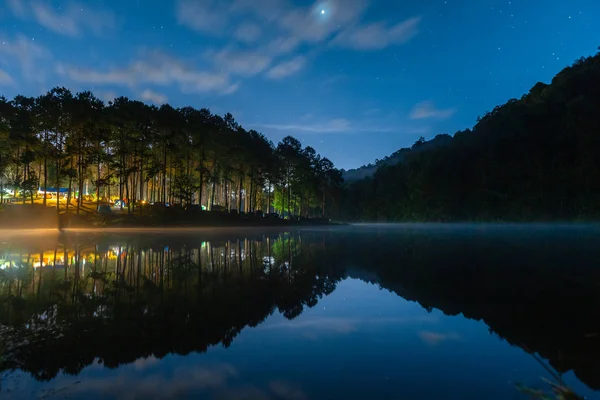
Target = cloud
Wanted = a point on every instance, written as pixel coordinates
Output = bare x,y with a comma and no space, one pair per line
377,36
337,325
338,125
295,24
282,45
26,53
272,29
155,68
240,62
248,32
310,26
73,21
434,338
286,391
426,109
107,96
287,68
17,7
202,16
5,78
209,380
154,97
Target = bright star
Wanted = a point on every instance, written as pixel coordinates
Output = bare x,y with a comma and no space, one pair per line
322,12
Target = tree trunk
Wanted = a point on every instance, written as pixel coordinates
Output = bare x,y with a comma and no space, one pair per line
164,180
58,186
98,185
239,199
269,198
289,191
127,194
142,178
79,182
45,167
214,181
227,202
201,187
249,195
70,185
16,175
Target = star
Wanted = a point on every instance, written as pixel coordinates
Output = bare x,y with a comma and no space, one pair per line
322,12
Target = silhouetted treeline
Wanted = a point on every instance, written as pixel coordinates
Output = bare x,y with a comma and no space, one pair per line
167,155
534,158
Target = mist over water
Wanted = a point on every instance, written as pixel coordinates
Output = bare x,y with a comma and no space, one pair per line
467,309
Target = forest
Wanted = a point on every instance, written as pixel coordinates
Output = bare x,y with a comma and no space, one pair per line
532,159
148,154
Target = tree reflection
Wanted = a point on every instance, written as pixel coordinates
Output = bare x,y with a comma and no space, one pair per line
116,299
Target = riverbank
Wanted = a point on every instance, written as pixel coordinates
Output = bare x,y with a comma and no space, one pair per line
36,216
180,219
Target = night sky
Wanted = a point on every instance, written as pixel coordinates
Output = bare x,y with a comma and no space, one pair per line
355,79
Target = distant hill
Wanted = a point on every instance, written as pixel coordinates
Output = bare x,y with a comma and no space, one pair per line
369,170
536,158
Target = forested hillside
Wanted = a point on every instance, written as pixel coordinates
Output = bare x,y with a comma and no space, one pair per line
534,158
162,155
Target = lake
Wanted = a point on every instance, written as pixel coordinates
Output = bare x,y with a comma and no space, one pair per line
348,312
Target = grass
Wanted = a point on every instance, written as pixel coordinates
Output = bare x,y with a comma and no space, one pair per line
558,389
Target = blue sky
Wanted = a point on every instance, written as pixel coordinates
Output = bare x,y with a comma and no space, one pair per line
355,79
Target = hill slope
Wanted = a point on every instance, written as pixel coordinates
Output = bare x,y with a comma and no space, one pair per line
367,171
535,158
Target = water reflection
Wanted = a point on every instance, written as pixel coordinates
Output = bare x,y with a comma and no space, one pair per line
76,301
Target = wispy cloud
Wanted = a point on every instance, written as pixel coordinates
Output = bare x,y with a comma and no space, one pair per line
377,36
276,28
248,32
27,54
76,18
107,96
287,68
17,7
282,45
307,25
155,68
154,97
338,125
202,16
435,338
240,62
426,109
210,380
5,78
287,391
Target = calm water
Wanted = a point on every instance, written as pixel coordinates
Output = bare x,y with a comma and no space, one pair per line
364,312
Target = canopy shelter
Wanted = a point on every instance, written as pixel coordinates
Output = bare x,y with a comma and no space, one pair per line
63,191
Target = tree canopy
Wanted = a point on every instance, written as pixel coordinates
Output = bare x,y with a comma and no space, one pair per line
137,152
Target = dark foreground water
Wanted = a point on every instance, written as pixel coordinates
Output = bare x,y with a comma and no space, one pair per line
364,312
